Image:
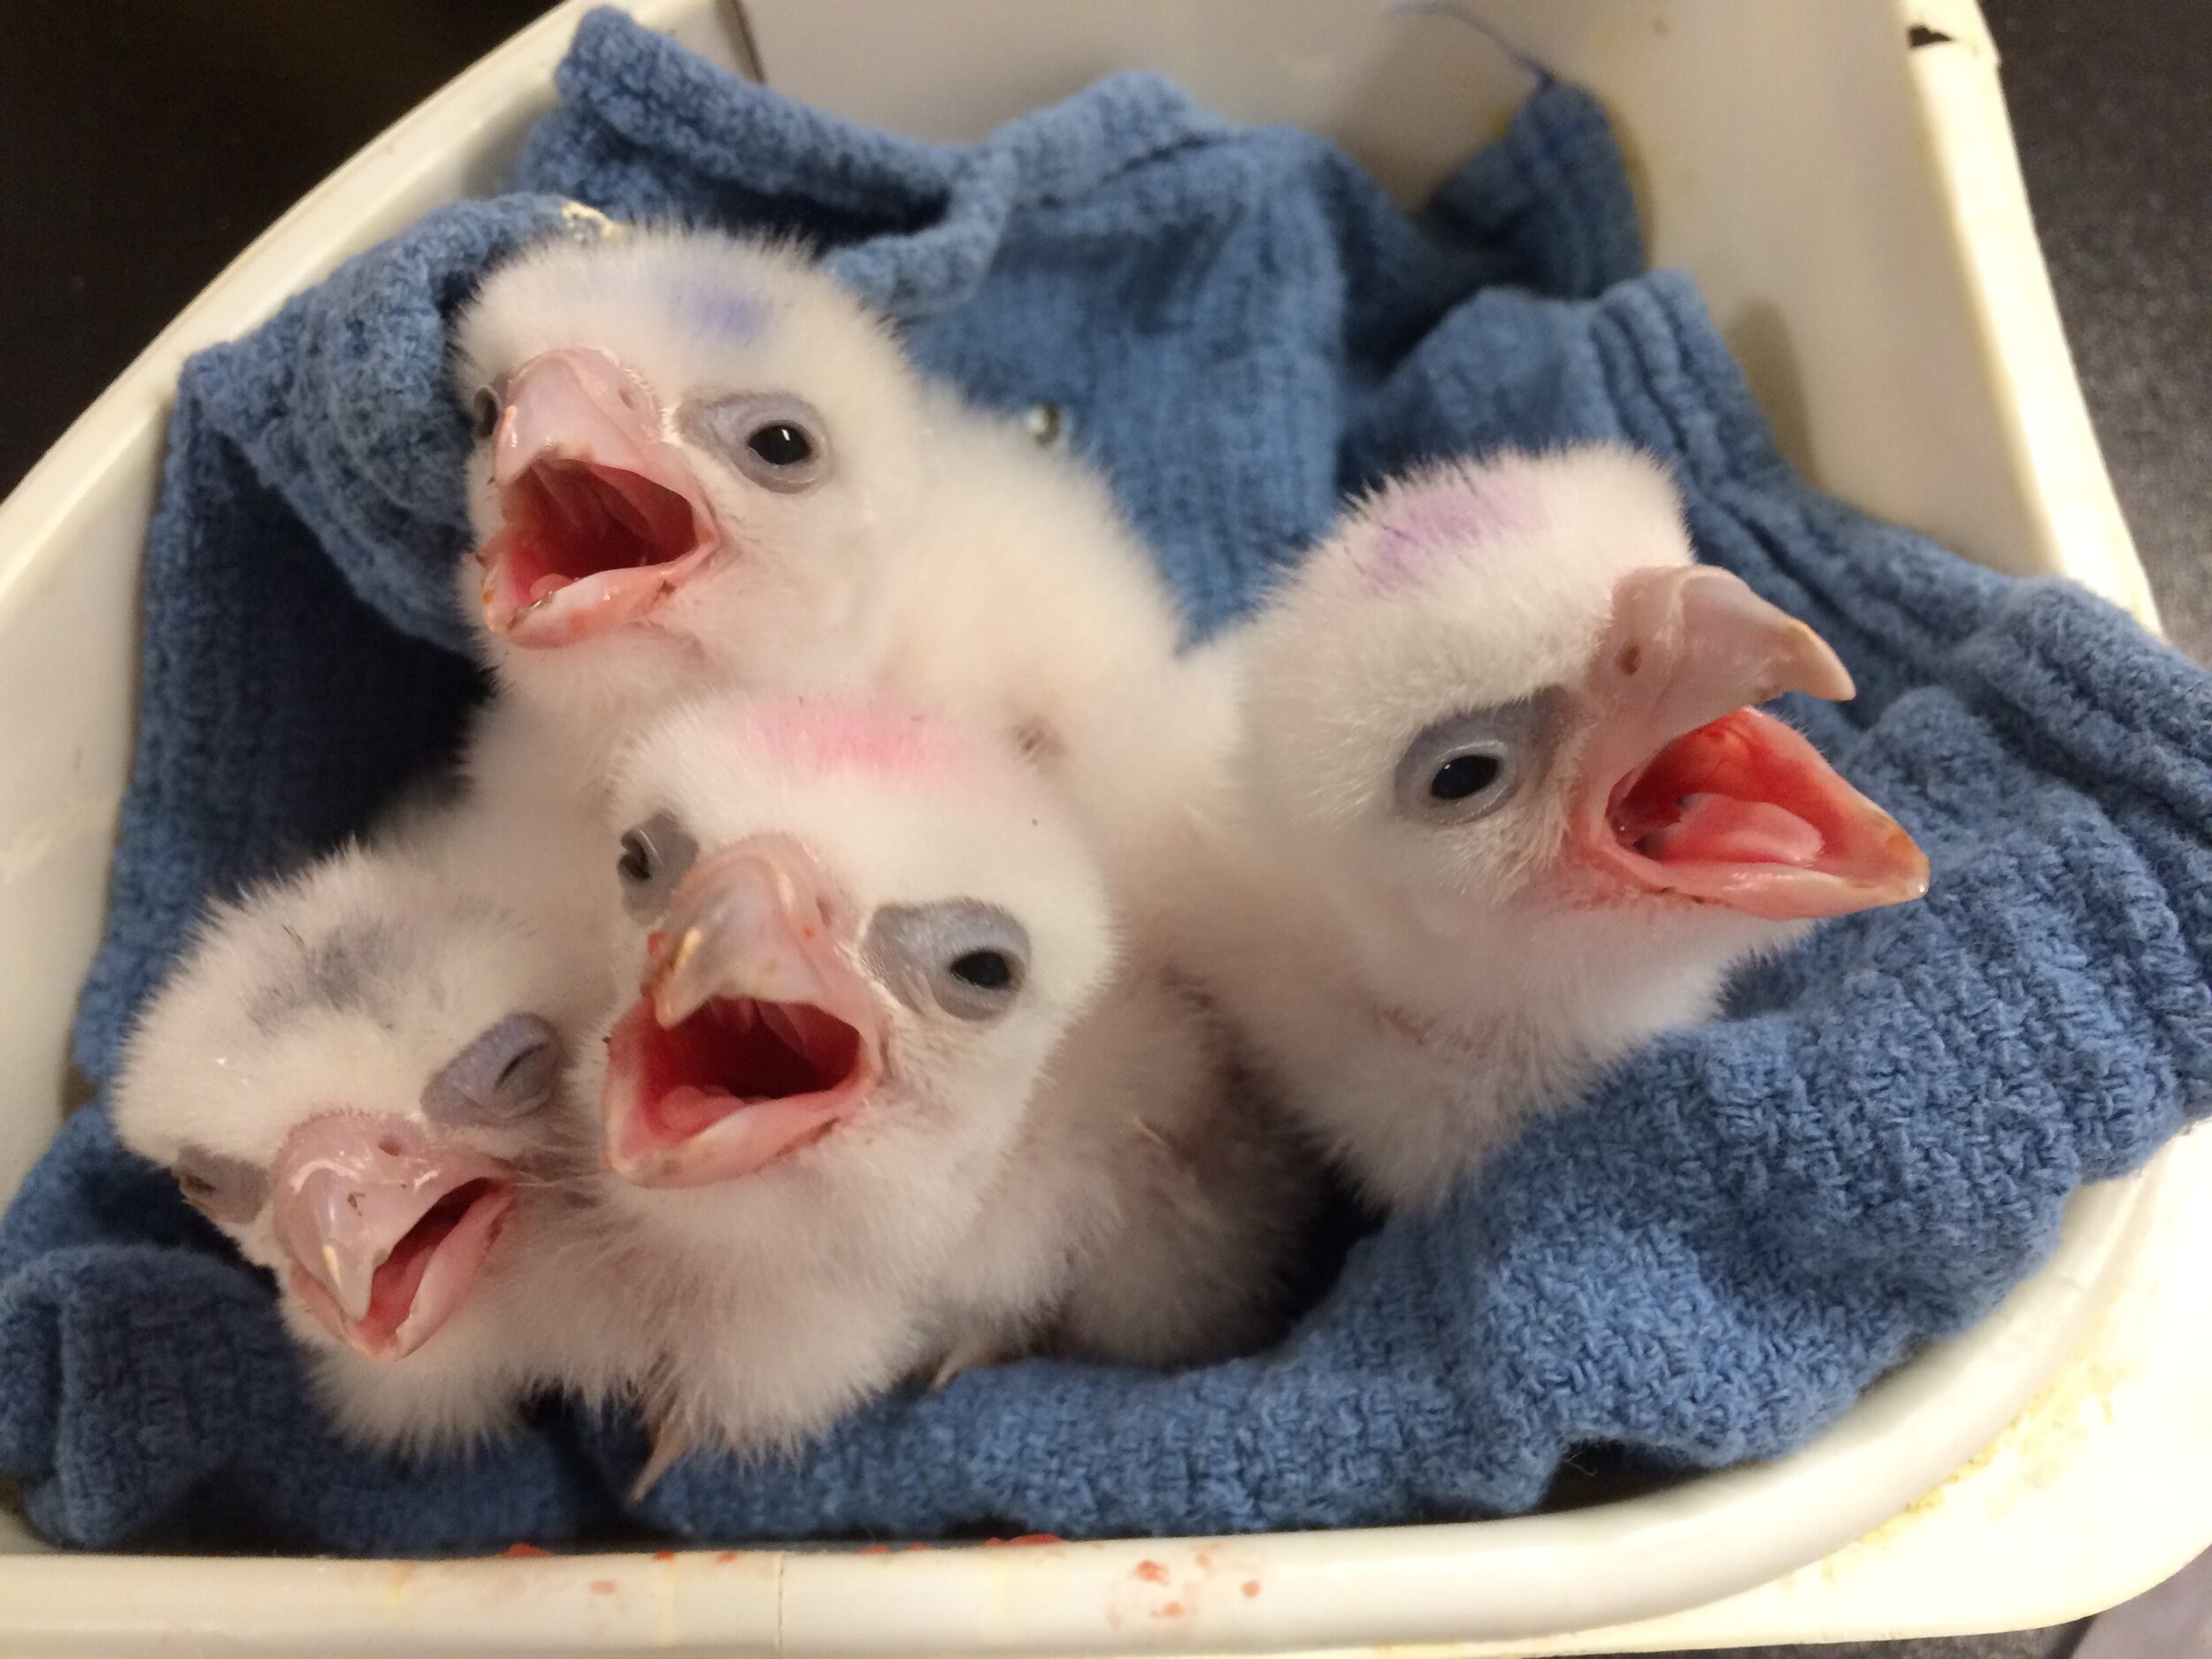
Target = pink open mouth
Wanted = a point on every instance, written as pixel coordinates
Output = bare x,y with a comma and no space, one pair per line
729,1089
387,1230
424,1276
1688,789
585,548
601,516
1742,811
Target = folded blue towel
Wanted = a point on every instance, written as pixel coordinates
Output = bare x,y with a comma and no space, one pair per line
1706,1262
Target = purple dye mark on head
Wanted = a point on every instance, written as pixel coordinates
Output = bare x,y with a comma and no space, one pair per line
1446,520
725,310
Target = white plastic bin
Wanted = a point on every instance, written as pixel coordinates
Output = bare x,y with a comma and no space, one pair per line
1850,202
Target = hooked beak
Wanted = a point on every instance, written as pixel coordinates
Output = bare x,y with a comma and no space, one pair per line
602,515
386,1228
1688,789
751,1038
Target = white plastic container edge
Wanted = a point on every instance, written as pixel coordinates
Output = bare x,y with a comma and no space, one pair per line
1957,412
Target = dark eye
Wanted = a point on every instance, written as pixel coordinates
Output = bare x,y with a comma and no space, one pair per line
224,1189
656,856
963,957
484,413
985,970
1043,423
775,439
509,1070
782,444
1464,775
1467,765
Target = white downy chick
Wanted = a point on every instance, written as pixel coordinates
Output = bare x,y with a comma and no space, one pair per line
864,934
1153,1205
694,453
357,1074
1505,811
702,464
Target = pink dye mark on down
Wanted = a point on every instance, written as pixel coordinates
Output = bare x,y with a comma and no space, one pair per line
1443,521
835,737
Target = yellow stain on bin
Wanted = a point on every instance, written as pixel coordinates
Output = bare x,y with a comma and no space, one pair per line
80,817
2036,1446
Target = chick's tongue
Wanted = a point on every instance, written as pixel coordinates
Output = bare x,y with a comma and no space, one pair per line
1727,793
757,1131
1719,829
399,1281
736,1054
686,1109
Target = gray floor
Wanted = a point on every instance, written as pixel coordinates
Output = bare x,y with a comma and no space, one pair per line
2114,120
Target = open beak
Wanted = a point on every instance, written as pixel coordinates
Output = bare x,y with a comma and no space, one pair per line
752,1036
386,1227
601,518
1688,789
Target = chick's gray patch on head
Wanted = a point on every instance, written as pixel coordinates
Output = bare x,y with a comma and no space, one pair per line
362,967
346,970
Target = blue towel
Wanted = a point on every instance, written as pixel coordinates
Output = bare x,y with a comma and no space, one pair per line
1705,1262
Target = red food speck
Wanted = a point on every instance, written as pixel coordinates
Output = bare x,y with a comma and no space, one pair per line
873,1549
1152,1572
1251,1586
521,1552
910,1548
727,1557
664,1554
603,1587
1038,1538
1171,1609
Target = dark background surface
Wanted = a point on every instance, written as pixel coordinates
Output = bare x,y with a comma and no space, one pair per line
144,143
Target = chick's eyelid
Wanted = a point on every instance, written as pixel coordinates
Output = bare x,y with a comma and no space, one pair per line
726,426
917,950
666,850
1473,761
509,1070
